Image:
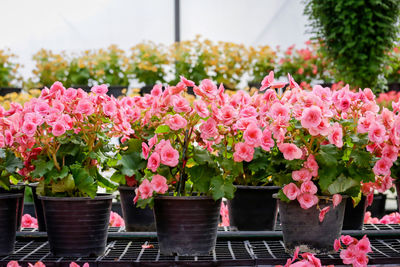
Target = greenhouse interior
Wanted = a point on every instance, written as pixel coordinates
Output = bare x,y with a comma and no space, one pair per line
200,133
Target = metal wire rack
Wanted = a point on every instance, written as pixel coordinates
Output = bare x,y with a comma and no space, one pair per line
232,249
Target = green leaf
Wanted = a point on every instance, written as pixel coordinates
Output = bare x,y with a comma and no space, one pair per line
66,184
221,187
134,145
326,177
131,163
54,174
12,162
106,183
327,155
202,156
342,184
201,176
117,177
83,181
162,129
2,153
282,196
41,167
361,158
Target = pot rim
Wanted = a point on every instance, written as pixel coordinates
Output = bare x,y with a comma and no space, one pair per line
125,187
183,198
35,184
101,196
258,187
11,195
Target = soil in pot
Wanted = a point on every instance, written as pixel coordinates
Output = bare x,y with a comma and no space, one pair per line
136,219
38,208
354,216
8,222
253,208
17,189
302,228
77,226
186,226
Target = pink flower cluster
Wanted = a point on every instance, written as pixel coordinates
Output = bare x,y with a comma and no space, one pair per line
224,214
27,221
116,220
146,189
41,264
303,260
392,218
353,251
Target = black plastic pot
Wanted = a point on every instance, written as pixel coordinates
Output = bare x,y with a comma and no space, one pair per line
38,208
377,208
302,228
8,222
186,226
253,208
397,184
146,89
394,87
326,85
77,226
116,91
136,219
8,90
354,216
17,189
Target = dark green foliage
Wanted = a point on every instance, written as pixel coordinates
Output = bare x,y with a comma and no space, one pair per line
357,34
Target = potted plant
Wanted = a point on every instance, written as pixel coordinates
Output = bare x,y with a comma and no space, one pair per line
11,195
147,63
320,155
262,59
182,180
111,68
50,67
70,131
9,77
80,71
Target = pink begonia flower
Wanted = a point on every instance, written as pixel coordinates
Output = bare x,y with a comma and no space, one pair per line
227,115
116,220
270,95
27,221
312,165
159,184
323,212
208,129
153,141
181,105
290,151
311,117
302,175
201,109
390,152
348,255
109,108
252,135
377,133
137,196
35,118
187,82
208,88
157,90
42,108
29,128
154,162
322,129
291,191
37,264
145,150
242,152
278,110
292,82
13,264
336,245
248,112
382,166
9,139
308,187
169,156
70,94
73,264
58,129
307,200
336,199
224,214
84,107
267,81
266,140
100,89
347,240
145,189
336,135
364,245
176,122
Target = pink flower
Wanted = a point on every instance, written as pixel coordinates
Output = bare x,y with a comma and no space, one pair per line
154,162
348,255
37,264
302,175
291,191
382,166
9,139
336,199
169,155
323,212
176,122
208,129
109,108
35,118
252,135
279,110
187,82
100,89
267,81
377,133
335,136
227,115
364,245
73,264
29,128
266,140
336,245
390,152
159,184
290,151
311,117
13,264
145,189
137,195
27,221
181,105
116,220
153,141
312,165
157,90
84,107
42,108
207,88
145,150
347,240
307,200
308,187
242,152
201,109
58,129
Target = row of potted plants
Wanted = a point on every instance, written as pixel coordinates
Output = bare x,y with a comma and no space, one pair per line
316,147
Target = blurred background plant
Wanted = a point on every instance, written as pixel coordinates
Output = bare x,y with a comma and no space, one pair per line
392,67
21,98
262,59
9,76
148,62
80,69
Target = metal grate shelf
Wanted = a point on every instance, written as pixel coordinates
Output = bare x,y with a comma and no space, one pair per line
233,248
